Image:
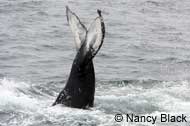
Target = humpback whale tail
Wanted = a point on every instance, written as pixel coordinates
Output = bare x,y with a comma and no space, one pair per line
80,87
91,37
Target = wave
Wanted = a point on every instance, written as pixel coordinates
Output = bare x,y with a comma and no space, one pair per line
26,104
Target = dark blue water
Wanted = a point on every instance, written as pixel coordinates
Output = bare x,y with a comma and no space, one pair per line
143,66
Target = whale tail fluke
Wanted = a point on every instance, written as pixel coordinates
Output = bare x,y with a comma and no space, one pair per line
92,38
80,88
77,28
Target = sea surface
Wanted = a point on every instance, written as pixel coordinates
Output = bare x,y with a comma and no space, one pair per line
143,67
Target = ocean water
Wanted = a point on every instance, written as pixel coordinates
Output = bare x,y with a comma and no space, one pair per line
143,67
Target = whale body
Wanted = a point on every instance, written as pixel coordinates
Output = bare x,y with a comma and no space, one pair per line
80,88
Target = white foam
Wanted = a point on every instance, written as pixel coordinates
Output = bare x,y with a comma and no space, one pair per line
166,97
11,95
